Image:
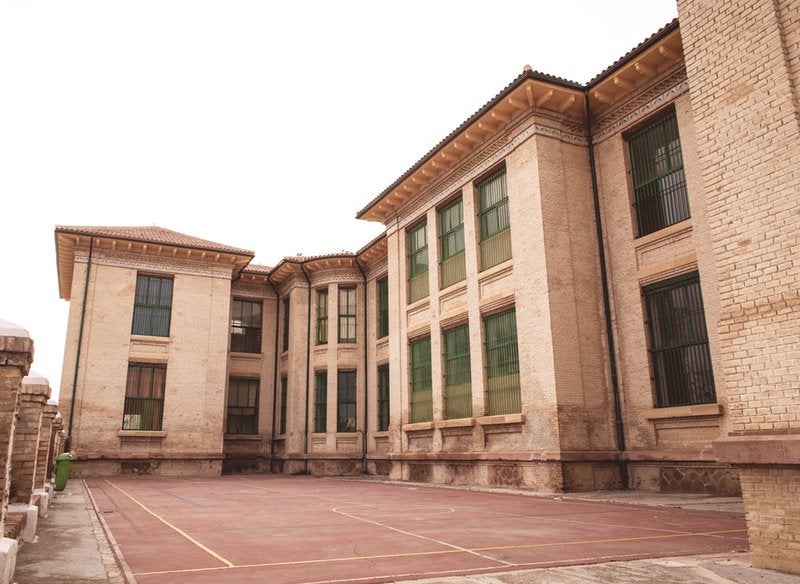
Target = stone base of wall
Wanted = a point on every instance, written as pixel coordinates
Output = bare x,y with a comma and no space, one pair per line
538,476
240,464
772,501
91,468
691,477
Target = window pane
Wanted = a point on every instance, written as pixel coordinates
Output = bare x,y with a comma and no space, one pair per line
152,305
346,416
679,342
321,401
285,344
322,316
421,383
383,307
383,398
659,184
144,397
284,397
347,315
457,374
502,364
246,326
242,415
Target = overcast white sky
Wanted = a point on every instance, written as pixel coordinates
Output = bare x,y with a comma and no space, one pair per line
261,125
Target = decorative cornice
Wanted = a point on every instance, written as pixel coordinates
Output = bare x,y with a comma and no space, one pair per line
493,154
640,112
167,265
337,277
261,292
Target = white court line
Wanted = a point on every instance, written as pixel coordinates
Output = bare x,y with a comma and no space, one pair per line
444,543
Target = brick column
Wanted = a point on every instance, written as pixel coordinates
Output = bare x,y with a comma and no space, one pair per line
56,444
45,445
16,355
33,395
743,64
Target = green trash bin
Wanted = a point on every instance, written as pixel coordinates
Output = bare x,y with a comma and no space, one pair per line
63,463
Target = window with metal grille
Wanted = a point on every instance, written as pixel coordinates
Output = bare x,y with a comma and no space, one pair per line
152,305
502,364
242,406
494,220
457,375
421,381
246,326
417,262
452,266
320,401
144,397
322,316
383,398
346,415
284,397
679,351
347,315
285,343
382,288
659,183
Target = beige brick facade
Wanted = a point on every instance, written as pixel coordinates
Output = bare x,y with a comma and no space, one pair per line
629,297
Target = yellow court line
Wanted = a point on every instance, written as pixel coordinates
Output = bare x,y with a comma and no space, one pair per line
206,549
450,551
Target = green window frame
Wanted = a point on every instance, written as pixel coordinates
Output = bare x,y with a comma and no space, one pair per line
452,263
242,410
347,314
144,397
457,373
417,262
284,398
679,352
382,295
245,326
421,380
502,364
659,181
322,316
152,305
383,397
346,411
320,401
494,220
285,336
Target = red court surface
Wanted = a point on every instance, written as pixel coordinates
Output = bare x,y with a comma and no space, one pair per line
281,529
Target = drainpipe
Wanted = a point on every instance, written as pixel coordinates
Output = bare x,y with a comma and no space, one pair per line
308,367
68,441
612,359
275,368
366,376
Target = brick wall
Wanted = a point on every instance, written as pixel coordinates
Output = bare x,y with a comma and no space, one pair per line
32,397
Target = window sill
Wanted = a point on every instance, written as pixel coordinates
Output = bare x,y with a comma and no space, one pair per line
456,423
381,434
418,427
684,225
251,437
501,419
246,355
141,434
684,411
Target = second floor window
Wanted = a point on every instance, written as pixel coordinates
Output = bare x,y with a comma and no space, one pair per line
347,315
322,316
494,220
382,292
152,306
417,262
452,265
285,342
659,183
245,326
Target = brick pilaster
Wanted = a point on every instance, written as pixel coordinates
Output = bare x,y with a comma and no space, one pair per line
33,395
49,413
742,64
16,356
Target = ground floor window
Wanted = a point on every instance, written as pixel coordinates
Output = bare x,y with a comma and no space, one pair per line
457,375
321,401
383,398
284,397
144,397
502,364
679,352
242,406
421,382
346,418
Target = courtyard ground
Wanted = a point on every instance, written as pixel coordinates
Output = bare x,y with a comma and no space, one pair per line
280,529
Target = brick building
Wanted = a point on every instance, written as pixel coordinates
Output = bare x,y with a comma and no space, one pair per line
581,287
